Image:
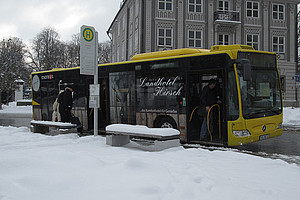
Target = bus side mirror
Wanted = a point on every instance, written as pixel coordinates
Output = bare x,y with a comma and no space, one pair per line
246,69
246,66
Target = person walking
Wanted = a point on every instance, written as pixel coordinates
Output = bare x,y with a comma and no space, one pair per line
209,97
65,101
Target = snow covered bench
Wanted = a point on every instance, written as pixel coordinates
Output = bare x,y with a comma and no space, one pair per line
43,126
158,138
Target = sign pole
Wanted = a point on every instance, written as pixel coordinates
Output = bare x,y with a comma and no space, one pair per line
96,82
89,66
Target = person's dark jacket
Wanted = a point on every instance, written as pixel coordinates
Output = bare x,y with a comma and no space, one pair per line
209,96
65,101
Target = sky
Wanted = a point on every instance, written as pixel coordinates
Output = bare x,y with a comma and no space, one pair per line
25,19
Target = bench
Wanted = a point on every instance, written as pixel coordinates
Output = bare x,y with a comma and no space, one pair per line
43,126
156,138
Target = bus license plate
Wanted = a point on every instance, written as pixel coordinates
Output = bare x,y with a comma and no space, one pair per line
264,137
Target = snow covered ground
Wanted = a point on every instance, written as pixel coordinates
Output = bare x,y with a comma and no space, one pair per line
12,108
291,117
63,167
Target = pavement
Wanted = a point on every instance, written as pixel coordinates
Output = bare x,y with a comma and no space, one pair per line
16,115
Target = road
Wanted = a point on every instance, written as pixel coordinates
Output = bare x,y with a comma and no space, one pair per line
287,144
285,147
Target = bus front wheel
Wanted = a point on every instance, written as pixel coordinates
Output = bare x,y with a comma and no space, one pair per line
166,122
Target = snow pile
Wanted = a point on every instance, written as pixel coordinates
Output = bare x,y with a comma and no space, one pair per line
67,167
291,116
139,129
49,123
13,108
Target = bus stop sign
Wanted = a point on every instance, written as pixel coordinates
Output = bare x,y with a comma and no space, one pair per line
88,51
94,101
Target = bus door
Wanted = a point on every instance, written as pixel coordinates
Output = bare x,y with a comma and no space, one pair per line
196,111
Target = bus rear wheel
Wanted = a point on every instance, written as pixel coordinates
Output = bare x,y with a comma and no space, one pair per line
166,122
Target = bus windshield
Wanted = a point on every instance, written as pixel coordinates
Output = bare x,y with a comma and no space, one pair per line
261,96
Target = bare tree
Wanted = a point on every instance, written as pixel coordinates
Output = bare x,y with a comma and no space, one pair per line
104,52
47,51
12,64
73,51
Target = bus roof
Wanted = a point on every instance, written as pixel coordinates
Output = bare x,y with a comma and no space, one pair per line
231,47
189,51
159,55
168,53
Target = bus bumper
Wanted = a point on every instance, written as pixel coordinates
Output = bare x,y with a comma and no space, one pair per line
235,141
248,131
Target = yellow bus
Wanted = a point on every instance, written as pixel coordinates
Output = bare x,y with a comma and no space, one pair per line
163,89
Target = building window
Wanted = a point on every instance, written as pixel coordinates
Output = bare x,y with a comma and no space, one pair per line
195,6
130,47
118,53
278,44
124,22
165,36
223,39
136,40
278,11
131,10
119,28
137,7
252,9
123,51
253,40
165,4
223,5
195,39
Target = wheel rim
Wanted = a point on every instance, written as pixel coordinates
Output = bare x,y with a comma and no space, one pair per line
166,125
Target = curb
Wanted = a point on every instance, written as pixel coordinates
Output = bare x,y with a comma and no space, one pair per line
291,127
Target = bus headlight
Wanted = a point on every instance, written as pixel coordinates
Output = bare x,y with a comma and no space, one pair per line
279,126
241,133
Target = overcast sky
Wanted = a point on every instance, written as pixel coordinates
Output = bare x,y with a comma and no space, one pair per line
26,18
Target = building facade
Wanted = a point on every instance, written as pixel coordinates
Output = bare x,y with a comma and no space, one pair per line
154,25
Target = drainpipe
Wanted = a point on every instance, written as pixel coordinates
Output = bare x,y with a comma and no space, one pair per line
297,53
111,45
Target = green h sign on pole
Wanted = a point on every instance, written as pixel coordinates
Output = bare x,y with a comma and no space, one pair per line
88,34
88,50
